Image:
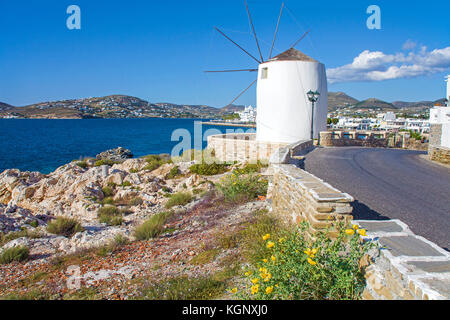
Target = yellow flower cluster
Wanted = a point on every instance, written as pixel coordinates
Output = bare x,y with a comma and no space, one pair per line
254,289
356,228
311,253
265,275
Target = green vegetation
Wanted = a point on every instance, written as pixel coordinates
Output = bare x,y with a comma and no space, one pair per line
110,215
232,116
82,164
179,199
209,169
332,120
83,294
205,257
173,173
153,227
63,226
35,294
108,200
108,191
184,288
18,253
238,188
103,162
24,233
118,241
136,201
34,224
126,184
415,135
251,168
155,161
292,266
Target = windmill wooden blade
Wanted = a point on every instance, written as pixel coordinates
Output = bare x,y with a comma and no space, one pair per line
296,43
237,70
276,30
240,94
237,44
254,32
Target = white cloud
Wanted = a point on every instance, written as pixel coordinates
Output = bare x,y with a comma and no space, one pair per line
378,66
409,45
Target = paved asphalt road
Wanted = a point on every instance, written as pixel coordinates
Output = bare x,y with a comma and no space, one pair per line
389,183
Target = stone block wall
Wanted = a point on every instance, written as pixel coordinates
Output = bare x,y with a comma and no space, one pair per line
300,196
241,147
407,267
439,154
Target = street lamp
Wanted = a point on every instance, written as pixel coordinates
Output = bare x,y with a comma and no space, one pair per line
312,96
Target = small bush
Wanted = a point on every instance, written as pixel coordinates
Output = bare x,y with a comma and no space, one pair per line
212,169
179,199
205,257
34,224
82,164
66,227
241,188
108,191
126,184
110,215
251,168
155,161
32,234
300,268
136,201
152,227
108,200
19,254
103,162
174,172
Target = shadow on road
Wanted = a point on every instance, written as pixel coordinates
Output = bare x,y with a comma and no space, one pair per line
363,212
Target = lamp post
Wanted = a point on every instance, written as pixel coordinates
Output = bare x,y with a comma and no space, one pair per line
312,96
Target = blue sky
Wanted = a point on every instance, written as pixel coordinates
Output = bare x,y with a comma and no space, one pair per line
157,50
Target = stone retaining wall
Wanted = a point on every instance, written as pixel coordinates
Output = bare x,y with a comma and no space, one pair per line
439,154
405,267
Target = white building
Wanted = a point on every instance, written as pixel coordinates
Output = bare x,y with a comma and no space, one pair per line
284,111
248,115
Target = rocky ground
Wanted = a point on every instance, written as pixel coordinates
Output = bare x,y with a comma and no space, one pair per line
61,267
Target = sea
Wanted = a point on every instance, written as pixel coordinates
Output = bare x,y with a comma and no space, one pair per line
44,145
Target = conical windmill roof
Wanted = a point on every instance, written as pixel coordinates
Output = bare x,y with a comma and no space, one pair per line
292,55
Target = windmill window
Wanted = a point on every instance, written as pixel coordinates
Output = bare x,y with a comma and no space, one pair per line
264,73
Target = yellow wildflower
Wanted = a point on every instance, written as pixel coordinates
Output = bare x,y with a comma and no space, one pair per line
311,262
255,280
269,290
267,277
281,240
273,258
255,289
350,232
355,227
266,236
314,251
265,260
308,252
362,232
270,244
247,274
234,290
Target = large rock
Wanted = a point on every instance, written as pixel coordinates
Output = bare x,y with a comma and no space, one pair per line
118,154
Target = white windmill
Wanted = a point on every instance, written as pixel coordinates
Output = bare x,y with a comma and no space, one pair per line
285,111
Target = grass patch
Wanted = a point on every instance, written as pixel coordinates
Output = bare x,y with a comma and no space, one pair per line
209,169
24,233
34,294
118,241
184,288
110,215
179,199
155,161
242,188
205,257
82,164
63,226
106,162
108,191
136,201
18,254
153,227
83,294
251,168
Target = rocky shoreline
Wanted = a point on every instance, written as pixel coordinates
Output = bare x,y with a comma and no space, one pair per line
29,201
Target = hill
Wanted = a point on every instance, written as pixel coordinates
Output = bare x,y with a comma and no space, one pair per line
339,99
373,103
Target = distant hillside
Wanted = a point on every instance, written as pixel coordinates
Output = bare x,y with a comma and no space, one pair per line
420,104
232,108
114,106
339,99
5,106
373,103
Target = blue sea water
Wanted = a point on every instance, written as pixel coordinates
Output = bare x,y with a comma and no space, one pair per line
44,145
